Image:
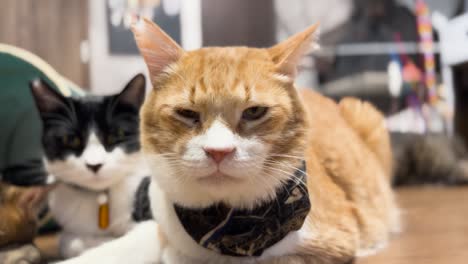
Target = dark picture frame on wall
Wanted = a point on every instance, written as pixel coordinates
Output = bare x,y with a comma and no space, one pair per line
120,37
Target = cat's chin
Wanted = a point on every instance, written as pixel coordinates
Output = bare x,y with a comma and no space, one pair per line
206,191
199,188
98,185
86,180
95,184
219,178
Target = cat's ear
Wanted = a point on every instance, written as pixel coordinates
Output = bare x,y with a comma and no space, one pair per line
47,99
134,92
157,48
287,54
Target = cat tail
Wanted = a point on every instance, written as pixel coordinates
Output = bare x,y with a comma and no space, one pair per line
369,124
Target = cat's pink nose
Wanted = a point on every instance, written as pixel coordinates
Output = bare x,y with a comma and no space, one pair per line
218,154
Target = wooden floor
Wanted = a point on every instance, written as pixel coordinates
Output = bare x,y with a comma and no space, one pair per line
435,228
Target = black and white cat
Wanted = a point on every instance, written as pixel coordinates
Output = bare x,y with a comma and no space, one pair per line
92,148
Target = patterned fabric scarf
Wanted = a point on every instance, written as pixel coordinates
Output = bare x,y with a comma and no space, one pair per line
246,233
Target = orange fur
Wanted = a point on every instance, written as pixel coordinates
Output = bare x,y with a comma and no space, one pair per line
17,221
370,126
345,145
354,170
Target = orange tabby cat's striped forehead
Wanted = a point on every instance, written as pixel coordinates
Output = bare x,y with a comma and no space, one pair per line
216,81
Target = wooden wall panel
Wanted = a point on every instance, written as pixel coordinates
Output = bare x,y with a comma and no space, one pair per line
52,29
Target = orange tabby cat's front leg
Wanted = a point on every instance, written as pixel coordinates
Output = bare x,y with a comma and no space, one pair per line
331,227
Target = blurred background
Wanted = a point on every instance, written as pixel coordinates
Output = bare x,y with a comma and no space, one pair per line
406,56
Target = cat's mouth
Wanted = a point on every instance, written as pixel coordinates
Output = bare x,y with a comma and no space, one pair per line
218,178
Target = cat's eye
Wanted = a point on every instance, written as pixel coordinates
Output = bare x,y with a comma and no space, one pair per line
117,136
254,113
111,140
120,133
188,116
71,141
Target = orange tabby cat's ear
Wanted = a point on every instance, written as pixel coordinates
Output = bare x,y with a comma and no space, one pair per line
157,48
287,54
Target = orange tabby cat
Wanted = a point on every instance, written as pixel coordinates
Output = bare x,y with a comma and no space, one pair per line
18,222
225,129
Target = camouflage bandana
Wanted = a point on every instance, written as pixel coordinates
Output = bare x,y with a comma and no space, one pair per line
247,233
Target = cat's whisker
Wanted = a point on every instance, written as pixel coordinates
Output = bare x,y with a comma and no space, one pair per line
287,156
280,174
290,176
282,162
295,179
287,165
164,154
281,179
282,185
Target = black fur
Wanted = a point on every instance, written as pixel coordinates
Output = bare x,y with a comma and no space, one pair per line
68,122
142,203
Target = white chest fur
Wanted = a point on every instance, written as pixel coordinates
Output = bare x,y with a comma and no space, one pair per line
76,210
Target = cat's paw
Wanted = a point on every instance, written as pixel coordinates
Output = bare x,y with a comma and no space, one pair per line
27,254
73,247
372,250
77,246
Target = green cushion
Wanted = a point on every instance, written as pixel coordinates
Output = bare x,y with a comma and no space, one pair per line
20,146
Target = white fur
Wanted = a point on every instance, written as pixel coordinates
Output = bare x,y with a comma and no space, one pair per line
190,180
282,78
217,136
185,183
76,210
95,153
139,246
371,251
